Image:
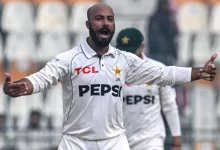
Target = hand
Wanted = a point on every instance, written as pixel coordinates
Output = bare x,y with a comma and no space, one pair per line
176,143
176,147
209,71
14,89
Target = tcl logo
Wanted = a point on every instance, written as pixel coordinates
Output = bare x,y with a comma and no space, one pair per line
86,70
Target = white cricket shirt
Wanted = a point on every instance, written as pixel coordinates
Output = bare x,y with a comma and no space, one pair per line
92,87
142,113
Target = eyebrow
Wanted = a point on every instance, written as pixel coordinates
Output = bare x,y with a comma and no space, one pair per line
103,16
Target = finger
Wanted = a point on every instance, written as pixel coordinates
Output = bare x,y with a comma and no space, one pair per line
17,85
206,75
24,86
209,79
25,89
212,72
11,91
209,71
15,89
212,67
19,93
213,57
8,77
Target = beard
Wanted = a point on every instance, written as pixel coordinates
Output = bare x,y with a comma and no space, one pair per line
101,42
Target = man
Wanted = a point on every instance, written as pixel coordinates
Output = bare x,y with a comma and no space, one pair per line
93,75
143,104
162,33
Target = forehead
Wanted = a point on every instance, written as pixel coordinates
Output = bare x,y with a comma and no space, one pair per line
101,10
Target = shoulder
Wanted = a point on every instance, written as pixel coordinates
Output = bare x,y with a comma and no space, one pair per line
70,53
67,56
127,55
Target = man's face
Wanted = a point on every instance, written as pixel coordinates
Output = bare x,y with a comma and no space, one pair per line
101,26
164,6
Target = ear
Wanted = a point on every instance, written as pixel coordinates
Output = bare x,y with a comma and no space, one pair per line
140,49
87,24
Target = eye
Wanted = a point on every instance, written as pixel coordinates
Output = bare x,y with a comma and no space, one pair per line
98,18
111,19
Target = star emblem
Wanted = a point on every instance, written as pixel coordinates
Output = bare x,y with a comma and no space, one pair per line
117,71
125,40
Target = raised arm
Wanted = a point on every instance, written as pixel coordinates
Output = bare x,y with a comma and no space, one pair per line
140,72
18,88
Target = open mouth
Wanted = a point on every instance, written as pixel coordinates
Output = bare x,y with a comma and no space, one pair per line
104,34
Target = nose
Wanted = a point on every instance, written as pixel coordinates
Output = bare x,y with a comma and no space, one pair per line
105,22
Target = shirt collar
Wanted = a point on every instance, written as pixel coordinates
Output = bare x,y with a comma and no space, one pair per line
144,56
89,52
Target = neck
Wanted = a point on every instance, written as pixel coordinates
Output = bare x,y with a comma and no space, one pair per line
140,55
99,50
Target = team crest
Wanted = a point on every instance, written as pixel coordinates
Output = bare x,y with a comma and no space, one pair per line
125,40
117,71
